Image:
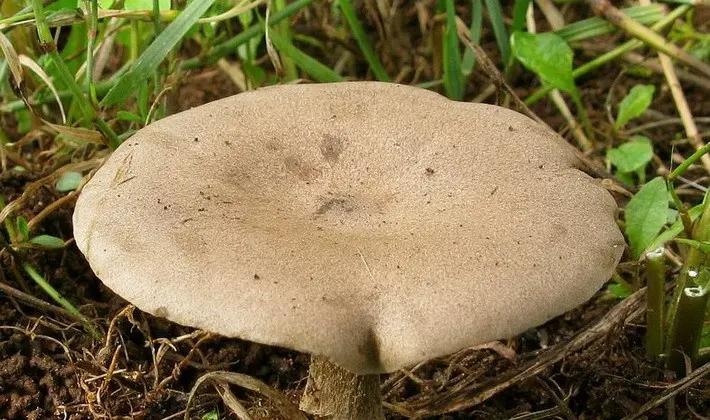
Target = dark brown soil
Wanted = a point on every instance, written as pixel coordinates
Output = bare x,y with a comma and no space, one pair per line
51,368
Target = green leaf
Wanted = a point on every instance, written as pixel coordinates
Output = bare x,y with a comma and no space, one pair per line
156,52
548,56
618,290
69,181
674,230
48,241
63,5
23,230
634,104
212,415
632,155
646,214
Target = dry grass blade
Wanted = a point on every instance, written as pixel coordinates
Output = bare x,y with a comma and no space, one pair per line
617,18
271,51
13,61
239,8
231,401
469,396
37,303
32,188
85,134
681,103
32,65
285,406
554,17
678,387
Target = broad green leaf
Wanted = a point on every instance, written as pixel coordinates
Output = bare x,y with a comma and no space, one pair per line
69,181
156,52
548,56
212,415
23,230
632,155
646,214
675,229
634,104
48,241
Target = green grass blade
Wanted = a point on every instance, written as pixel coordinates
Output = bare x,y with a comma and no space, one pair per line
51,291
361,37
229,46
499,30
520,11
596,26
151,58
453,81
284,28
310,65
469,58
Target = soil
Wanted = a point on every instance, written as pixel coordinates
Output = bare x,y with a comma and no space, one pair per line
51,368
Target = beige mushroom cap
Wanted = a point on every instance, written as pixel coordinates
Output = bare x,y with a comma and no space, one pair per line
376,224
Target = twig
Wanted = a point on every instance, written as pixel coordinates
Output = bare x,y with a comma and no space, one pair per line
465,399
678,387
285,406
39,303
35,221
636,58
617,18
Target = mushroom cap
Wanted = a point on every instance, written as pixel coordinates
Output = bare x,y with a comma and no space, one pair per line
376,224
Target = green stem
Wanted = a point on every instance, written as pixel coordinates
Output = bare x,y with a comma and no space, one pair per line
680,170
656,295
611,55
687,328
682,210
583,117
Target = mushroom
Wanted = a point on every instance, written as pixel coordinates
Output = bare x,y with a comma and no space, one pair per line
372,225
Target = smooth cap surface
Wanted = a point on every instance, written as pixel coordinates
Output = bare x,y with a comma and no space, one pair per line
376,224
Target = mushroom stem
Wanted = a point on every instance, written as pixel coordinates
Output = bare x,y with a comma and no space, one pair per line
335,393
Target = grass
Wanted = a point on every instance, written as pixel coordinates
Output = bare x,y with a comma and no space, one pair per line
113,70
